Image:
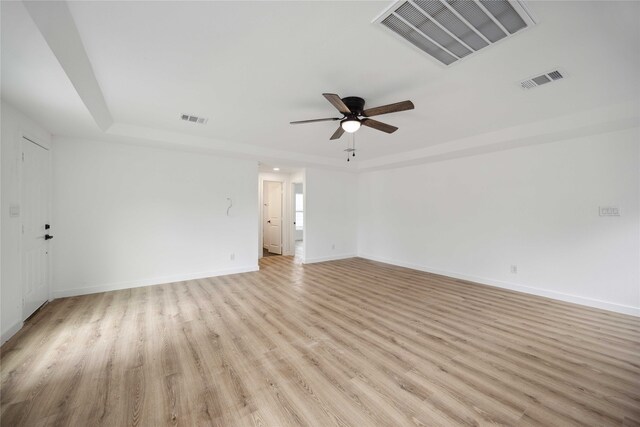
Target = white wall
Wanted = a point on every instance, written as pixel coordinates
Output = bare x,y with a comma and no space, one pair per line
535,207
298,176
330,207
14,125
130,216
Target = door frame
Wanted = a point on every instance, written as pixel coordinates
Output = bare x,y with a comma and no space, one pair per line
29,137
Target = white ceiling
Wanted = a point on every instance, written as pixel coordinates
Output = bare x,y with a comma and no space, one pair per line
251,67
268,168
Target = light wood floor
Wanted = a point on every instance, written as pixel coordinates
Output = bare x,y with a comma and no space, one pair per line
349,343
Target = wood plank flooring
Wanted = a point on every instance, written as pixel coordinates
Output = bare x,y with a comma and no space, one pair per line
344,343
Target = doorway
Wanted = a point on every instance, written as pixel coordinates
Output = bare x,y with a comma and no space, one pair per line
297,191
272,218
276,195
35,226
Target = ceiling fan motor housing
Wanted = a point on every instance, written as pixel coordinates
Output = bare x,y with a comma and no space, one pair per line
355,104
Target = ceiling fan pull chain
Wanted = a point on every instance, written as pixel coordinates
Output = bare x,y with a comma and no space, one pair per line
354,145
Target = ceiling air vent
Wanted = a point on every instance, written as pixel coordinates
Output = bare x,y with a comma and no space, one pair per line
542,79
449,30
193,119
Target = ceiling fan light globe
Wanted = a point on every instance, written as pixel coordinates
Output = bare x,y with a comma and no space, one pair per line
350,125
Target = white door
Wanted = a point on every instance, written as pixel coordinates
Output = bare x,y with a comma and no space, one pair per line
35,216
273,230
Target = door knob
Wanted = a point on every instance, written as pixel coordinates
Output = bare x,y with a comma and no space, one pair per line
48,237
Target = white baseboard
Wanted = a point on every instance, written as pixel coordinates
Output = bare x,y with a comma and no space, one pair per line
327,258
589,302
149,282
11,331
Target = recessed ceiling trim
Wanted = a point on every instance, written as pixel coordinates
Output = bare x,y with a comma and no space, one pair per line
452,30
56,24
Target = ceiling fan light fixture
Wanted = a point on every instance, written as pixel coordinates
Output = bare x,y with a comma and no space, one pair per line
350,124
355,115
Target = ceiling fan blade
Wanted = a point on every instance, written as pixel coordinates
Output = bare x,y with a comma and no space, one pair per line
314,120
378,125
338,133
336,101
391,108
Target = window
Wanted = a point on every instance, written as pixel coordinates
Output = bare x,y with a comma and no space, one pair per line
299,211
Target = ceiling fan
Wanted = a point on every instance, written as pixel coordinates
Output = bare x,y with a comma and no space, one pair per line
354,115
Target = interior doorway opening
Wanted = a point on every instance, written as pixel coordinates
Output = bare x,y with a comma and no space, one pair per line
272,192
298,219
282,215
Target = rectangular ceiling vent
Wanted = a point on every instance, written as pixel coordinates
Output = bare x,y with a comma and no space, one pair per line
193,119
450,30
542,79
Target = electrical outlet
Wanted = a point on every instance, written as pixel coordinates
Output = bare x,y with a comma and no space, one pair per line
514,269
333,246
232,256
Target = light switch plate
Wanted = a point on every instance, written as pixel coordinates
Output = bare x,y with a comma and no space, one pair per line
609,211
